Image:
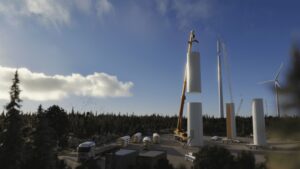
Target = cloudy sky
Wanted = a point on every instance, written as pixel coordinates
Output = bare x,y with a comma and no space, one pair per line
128,56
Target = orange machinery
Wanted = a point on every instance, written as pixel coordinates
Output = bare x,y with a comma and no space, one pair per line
179,133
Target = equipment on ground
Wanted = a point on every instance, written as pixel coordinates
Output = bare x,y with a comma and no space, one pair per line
146,142
155,138
190,156
137,137
86,150
123,141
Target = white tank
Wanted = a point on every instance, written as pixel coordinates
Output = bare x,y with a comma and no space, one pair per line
147,140
195,124
137,137
230,121
156,138
123,141
193,73
258,117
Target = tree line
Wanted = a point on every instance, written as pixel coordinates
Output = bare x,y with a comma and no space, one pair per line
33,140
88,125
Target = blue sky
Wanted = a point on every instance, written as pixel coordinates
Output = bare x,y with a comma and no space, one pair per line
143,44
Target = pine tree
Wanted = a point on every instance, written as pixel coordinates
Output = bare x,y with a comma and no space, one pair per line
43,143
58,120
11,150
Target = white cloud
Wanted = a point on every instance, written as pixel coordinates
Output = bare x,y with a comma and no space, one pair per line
104,7
41,87
162,6
51,12
186,12
84,5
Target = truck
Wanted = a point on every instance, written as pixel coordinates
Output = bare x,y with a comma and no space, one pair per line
86,150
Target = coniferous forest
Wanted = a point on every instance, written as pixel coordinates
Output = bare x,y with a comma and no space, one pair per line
33,140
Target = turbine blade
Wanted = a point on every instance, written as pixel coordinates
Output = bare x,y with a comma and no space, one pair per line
278,72
218,46
267,81
277,83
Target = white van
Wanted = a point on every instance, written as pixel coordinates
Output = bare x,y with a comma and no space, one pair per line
86,150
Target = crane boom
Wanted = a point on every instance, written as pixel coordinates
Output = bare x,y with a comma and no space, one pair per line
239,108
179,123
179,133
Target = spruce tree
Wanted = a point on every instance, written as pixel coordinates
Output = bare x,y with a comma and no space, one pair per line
58,120
43,143
11,150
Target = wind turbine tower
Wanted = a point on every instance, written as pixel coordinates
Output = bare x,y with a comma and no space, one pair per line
220,87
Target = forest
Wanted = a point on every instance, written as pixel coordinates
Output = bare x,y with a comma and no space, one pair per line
33,140
105,127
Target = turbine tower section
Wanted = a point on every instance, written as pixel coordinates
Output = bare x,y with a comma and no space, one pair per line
194,108
258,117
230,121
195,124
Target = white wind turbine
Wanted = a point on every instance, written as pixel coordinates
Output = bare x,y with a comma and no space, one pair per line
276,86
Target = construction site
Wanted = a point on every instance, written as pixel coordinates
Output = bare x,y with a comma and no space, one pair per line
159,84
180,146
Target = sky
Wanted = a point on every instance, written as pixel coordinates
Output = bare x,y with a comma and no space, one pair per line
129,56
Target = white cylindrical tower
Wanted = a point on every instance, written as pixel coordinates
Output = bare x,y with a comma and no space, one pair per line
220,86
193,73
195,124
230,121
258,117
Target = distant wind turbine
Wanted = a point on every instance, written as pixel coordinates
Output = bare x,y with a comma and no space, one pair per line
276,86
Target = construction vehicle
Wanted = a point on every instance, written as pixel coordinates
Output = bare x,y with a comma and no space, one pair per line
179,133
86,150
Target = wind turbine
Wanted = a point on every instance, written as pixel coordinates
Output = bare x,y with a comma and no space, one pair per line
276,86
